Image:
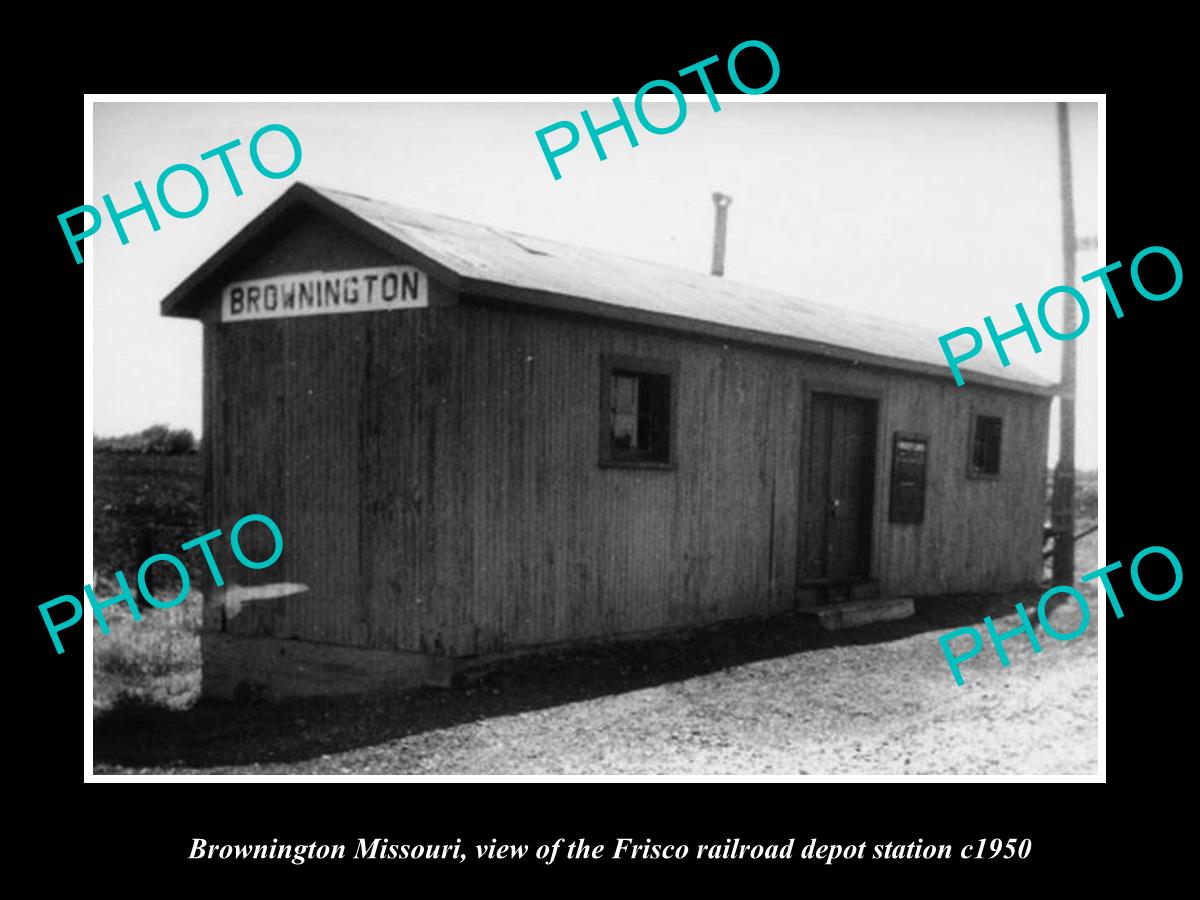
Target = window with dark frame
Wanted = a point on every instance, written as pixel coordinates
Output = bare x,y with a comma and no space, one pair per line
636,406
985,446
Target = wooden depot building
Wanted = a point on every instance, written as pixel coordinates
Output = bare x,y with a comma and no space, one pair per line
476,442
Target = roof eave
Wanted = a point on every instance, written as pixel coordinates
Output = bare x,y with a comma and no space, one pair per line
584,306
185,299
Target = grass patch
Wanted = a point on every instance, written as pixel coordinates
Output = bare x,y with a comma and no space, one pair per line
145,504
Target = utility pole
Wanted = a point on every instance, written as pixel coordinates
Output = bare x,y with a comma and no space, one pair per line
1062,506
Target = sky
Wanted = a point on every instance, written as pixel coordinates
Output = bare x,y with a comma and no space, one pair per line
934,213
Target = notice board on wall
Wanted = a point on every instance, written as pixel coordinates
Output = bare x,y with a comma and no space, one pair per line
909,458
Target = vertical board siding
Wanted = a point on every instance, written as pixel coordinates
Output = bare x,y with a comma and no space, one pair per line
345,433
337,427
565,549
978,534
435,474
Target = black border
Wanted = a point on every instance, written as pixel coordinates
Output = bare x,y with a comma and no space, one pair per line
146,829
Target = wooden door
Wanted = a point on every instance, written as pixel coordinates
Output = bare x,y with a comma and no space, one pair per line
839,489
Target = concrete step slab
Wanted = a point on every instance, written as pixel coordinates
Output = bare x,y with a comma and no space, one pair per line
861,612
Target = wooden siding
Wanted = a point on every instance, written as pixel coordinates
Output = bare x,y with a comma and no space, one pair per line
435,473
564,548
339,428
479,259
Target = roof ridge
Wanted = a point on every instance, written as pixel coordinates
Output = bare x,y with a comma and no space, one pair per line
711,285
513,235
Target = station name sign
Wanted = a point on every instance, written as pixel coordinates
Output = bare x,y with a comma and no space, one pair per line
325,293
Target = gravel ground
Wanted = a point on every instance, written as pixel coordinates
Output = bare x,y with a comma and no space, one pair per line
843,710
836,711
870,708
773,696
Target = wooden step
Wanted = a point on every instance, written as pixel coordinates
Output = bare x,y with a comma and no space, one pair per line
827,592
860,612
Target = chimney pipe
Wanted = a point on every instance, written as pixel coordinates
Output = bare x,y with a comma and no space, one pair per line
721,201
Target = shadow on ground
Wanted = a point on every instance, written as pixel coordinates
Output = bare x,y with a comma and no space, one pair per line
214,733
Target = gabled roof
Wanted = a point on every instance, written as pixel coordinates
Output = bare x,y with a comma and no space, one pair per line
482,260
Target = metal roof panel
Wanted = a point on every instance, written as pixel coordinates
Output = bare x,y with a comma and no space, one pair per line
483,253
525,268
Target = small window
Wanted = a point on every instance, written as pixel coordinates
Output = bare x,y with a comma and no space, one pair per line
985,447
636,412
